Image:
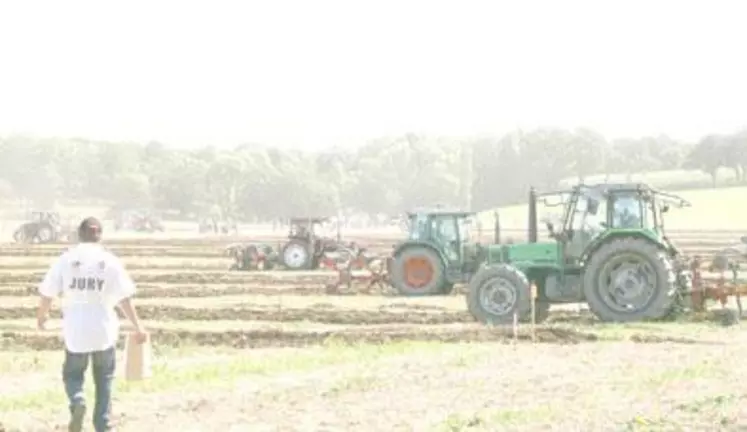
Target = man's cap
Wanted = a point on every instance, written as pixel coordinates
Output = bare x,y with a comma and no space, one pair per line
90,225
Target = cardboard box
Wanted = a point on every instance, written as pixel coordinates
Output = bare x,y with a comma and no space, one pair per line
137,359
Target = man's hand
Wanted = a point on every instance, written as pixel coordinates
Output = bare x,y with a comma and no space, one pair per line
41,322
140,336
42,314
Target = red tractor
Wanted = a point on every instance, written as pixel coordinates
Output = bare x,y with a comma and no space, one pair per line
305,249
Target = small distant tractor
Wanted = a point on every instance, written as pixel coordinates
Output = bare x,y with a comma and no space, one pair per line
304,248
610,252
217,226
44,227
436,255
252,257
141,221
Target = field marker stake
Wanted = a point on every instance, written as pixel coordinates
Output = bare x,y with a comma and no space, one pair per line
534,313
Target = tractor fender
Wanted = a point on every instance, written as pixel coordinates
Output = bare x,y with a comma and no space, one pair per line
406,245
595,244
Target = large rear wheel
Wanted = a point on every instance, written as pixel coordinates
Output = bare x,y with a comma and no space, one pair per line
19,236
418,271
629,279
296,255
45,234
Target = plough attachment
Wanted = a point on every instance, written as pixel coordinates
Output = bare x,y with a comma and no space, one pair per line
252,257
371,270
720,290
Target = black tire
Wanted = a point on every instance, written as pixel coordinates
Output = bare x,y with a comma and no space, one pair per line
19,235
633,251
399,280
292,257
447,289
513,284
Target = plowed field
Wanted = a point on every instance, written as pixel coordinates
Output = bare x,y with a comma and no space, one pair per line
272,351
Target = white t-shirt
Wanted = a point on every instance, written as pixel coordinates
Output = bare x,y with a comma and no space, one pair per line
92,282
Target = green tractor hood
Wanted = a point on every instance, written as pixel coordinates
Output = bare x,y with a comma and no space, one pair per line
530,253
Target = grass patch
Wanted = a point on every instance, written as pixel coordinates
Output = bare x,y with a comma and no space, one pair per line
490,419
18,362
352,384
709,411
224,373
703,370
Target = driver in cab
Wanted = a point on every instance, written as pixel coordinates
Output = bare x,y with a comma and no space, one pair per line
626,213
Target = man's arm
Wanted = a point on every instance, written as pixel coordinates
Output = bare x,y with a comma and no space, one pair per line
50,288
129,310
125,289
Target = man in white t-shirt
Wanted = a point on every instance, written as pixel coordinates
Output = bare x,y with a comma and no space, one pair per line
93,283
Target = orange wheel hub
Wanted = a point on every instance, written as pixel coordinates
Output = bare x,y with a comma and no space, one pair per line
418,272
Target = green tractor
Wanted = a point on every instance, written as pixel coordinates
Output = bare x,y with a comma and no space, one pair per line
436,255
610,252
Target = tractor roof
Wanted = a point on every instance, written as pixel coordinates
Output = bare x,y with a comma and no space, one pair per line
312,219
606,188
440,212
618,187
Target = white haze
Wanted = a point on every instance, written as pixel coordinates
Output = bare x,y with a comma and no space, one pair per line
316,73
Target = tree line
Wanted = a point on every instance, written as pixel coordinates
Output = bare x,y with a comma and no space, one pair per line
386,175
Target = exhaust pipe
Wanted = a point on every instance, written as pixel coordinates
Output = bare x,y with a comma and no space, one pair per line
497,228
532,228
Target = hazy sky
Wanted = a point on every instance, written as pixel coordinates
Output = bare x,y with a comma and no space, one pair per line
330,72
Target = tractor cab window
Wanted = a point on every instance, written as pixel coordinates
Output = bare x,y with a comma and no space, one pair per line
445,230
418,227
465,226
588,221
590,215
301,230
446,233
627,211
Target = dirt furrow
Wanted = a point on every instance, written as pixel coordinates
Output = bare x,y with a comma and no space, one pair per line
320,314
267,338
147,264
211,290
193,277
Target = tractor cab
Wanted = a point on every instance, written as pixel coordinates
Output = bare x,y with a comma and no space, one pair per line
437,253
593,212
450,231
306,244
303,228
52,218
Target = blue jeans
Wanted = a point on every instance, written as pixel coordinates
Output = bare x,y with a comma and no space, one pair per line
73,374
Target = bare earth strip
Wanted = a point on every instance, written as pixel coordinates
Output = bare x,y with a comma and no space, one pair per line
280,287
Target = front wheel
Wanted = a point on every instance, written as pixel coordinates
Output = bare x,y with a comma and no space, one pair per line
497,293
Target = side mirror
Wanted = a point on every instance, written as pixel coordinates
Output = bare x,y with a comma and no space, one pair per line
665,208
592,207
